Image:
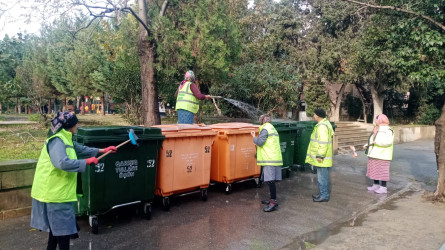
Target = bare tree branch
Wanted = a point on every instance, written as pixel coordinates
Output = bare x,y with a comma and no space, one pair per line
438,24
164,8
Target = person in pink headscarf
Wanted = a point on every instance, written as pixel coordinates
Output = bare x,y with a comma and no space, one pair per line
379,151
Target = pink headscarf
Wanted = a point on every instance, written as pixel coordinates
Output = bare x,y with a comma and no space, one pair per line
380,120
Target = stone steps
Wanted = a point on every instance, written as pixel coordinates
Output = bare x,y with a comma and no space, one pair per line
350,134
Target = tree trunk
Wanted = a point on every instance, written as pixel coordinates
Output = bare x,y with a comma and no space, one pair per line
336,97
49,106
82,106
377,100
362,99
78,103
65,105
102,101
26,109
439,149
0,108
147,53
19,106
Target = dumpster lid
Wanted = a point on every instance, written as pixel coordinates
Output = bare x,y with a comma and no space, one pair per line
234,125
116,133
170,130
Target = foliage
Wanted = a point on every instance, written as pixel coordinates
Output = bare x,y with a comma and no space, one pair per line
195,35
428,114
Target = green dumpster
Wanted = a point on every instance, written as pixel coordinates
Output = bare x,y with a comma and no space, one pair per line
126,177
287,133
304,131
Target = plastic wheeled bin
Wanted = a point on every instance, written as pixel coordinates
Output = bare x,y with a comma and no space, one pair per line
126,177
303,138
184,161
287,133
233,154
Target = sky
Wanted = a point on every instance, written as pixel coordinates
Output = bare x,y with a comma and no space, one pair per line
13,18
21,16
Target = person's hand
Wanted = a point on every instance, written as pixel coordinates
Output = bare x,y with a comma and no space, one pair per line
92,160
319,159
208,96
110,148
252,133
365,146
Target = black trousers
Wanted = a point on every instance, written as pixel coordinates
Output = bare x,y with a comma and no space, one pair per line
272,190
62,241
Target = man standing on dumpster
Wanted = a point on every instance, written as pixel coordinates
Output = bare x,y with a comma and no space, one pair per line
319,154
270,158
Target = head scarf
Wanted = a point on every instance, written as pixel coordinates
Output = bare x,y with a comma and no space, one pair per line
188,77
63,120
264,119
380,120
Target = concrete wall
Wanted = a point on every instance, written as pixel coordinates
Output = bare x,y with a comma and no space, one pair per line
15,187
404,134
407,133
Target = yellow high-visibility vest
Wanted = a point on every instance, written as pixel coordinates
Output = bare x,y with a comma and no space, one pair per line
186,100
50,183
270,153
321,144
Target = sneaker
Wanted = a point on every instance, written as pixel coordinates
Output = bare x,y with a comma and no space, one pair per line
272,206
381,190
265,202
374,187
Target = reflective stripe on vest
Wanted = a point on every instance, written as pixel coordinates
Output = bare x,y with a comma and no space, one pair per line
186,100
320,148
50,183
270,153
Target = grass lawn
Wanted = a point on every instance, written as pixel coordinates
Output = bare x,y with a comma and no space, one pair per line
26,141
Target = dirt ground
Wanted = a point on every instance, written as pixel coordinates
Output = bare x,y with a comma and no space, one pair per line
409,222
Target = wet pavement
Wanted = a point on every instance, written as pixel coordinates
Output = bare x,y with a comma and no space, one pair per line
236,221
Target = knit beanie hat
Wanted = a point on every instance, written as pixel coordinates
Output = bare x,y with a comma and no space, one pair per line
320,112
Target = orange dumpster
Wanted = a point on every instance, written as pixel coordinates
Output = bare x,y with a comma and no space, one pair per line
233,154
184,161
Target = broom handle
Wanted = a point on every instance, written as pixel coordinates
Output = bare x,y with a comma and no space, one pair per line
109,152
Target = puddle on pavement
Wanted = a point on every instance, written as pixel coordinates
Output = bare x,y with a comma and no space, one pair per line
314,238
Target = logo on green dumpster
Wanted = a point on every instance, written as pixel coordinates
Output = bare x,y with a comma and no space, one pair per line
126,169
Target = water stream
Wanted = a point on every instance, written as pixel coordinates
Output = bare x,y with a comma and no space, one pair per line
252,112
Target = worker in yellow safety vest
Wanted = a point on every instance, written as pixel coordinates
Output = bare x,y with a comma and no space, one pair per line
187,99
319,153
54,187
270,158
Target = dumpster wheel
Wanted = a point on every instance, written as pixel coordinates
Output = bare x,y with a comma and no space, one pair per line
228,188
147,211
94,224
204,194
166,203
